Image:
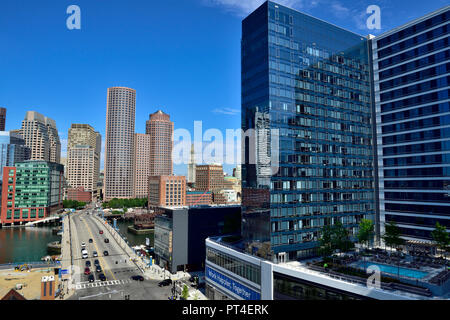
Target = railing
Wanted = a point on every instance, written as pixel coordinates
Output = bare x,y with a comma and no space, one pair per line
385,286
125,242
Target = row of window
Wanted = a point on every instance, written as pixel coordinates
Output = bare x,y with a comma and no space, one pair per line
318,198
417,28
418,172
417,184
422,50
308,223
418,196
325,136
416,64
414,41
418,221
417,148
320,210
417,112
330,161
416,88
417,124
417,160
237,266
417,76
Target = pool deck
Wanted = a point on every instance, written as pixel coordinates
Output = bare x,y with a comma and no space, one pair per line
431,272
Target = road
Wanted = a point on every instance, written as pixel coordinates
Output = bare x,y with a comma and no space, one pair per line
116,266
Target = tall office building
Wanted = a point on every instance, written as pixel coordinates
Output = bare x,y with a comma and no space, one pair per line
2,119
191,166
55,144
306,93
141,164
160,129
119,151
411,72
12,150
41,136
83,158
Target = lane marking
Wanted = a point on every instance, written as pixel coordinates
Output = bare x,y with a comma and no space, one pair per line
100,258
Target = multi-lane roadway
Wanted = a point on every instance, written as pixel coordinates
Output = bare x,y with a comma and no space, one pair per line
116,265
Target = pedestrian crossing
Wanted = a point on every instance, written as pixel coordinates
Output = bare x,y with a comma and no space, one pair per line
98,283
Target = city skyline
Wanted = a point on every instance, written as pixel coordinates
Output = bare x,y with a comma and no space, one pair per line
217,101
341,190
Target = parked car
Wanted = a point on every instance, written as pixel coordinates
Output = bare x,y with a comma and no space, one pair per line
84,254
105,253
83,245
102,277
90,240
101,231
87,271
88,263
165,283
98,269
96,262
95,254
91,278
106,240
137,278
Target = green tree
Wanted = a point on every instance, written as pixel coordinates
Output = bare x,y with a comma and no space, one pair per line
440,237
333,238
366,231
341,237
392,235
326,246
185,293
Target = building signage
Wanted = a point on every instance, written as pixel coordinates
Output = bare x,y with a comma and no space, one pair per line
231,285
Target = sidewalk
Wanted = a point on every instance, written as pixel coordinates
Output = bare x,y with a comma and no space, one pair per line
66,260
155,272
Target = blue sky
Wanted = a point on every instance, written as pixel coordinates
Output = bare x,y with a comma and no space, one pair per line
181,56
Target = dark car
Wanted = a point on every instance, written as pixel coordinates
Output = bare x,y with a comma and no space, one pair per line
137,278
98,269
90,240
87,271
102,277
96,262
88,263
91,278
106,240
165,283
105,253
201,285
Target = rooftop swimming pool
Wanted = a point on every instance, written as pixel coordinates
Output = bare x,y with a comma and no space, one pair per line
404,272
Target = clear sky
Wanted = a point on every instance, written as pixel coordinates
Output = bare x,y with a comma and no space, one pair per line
181,56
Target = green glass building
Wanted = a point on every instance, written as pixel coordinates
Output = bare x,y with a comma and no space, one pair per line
33,190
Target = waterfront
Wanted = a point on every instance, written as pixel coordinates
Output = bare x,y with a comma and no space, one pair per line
134,239
25,244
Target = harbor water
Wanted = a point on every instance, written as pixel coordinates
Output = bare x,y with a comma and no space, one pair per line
25,244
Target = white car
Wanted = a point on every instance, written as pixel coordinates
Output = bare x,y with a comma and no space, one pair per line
83,245
84,254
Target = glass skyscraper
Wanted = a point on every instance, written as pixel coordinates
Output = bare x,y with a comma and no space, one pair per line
412,91
12,150
306,93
